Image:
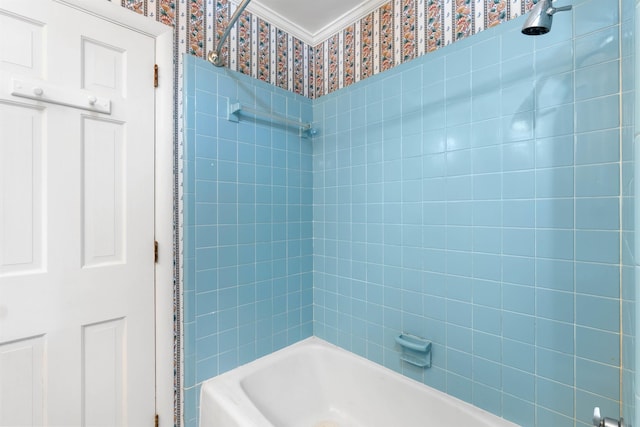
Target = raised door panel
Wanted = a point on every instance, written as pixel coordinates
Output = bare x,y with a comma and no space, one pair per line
103,198
103,373
21,45
23,381
22,190
103,68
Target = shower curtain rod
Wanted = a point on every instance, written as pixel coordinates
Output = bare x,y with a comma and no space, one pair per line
214,55
236,108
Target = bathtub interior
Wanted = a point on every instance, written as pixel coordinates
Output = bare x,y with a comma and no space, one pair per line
313,383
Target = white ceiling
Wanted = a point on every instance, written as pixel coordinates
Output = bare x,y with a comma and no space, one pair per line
312,21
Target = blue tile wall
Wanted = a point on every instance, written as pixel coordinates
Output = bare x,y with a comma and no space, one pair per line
628,166
248,281
481,197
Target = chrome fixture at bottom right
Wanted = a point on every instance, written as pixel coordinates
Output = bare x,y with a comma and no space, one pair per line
600,421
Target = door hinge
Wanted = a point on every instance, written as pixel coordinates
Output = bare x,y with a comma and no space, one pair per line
155,75
157,420
155,251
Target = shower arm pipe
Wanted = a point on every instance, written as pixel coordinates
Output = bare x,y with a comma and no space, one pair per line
552,10
214,55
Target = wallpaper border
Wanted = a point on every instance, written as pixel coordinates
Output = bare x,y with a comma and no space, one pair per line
394,33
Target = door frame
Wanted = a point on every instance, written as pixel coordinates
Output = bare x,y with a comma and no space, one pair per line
164,151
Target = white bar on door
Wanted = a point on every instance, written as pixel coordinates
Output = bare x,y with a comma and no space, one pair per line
45,92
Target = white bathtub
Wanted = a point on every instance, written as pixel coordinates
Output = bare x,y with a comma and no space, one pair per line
315,384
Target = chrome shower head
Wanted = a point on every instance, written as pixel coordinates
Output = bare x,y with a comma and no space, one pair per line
540,18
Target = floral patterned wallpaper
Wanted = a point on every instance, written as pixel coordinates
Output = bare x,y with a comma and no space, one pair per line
399,31
396,32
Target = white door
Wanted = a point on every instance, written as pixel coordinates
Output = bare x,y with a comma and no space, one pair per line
76,219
